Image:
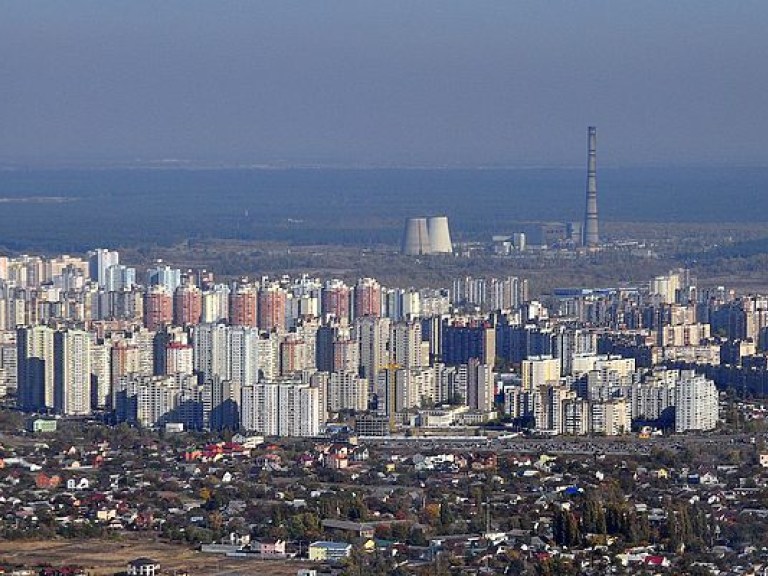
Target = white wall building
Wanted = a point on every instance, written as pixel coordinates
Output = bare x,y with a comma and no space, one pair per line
540,370
72,372
281,409
696,406
346,391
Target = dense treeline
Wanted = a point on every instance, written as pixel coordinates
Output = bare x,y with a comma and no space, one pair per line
72,210
597,517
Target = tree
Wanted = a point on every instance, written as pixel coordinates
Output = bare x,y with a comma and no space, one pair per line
593,516
446,518
215,521
565,528
416,537
400,531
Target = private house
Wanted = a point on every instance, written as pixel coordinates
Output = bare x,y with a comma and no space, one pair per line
269,547
349,528
143,567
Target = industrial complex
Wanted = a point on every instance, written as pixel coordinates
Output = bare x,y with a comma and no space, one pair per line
428,236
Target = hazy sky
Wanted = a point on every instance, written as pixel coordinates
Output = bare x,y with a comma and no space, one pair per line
417,82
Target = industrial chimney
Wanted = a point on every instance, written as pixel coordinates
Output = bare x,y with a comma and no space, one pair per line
591,237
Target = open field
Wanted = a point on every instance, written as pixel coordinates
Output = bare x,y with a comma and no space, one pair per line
104,557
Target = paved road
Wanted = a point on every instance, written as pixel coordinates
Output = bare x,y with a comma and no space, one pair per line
561,445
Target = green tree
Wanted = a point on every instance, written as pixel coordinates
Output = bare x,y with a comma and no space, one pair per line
565,528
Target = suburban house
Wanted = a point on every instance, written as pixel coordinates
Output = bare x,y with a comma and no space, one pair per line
143,567
269,546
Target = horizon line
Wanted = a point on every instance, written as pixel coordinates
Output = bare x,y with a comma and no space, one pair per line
192,165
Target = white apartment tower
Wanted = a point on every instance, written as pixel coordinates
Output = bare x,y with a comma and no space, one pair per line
98,262
101,371
72,373
372,336
281,409
405,344
243,350
35,368
346,391
696,405
480,386
539,370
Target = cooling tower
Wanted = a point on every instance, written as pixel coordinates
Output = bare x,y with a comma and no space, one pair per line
416,238
439,235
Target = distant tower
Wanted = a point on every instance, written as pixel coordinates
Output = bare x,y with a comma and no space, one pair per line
591,237
416,237
439,235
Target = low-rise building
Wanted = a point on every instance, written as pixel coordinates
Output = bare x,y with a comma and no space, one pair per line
324,550
143,567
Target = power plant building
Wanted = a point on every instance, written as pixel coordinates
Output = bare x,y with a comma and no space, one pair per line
425,236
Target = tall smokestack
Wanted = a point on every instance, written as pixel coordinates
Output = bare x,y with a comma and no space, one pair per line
591,237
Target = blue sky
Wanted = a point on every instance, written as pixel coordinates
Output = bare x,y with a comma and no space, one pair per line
428,82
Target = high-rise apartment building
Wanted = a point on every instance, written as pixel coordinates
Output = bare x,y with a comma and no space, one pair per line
367,298
158,307
243,307
372,335
696,403
346,355
230,353
281,409
335,301
405,346
294,355
224,411
611,417
211,351
259,408
179,359
35,368
216,304
539,371
271,307
153,401
346,391
99,261
54,370
568,343
72,372
480,386
125,360
464,341
101,373
243,362
187,305
164,275
118,278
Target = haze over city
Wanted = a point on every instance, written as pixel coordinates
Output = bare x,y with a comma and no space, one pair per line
435,288
383,83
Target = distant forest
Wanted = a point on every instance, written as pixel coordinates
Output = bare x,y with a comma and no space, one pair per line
74,210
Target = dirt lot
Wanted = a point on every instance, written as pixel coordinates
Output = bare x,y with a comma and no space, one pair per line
103,557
